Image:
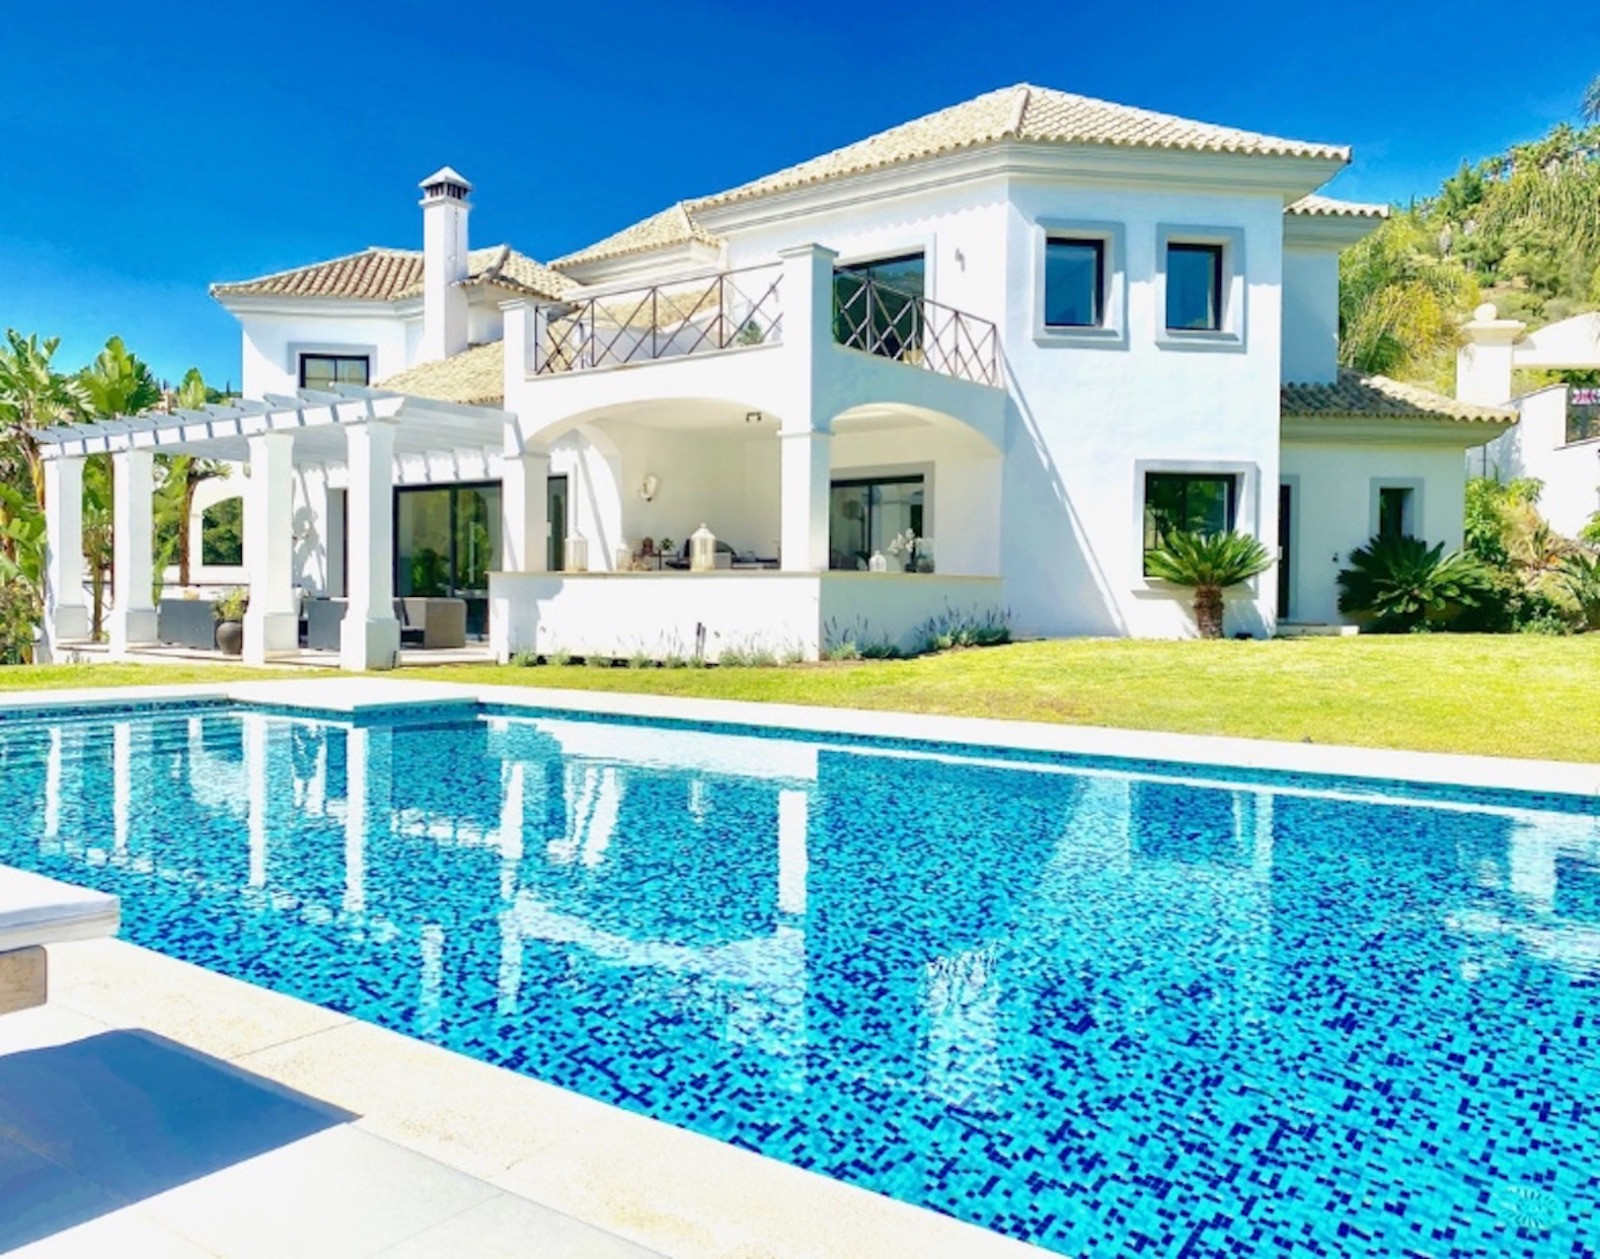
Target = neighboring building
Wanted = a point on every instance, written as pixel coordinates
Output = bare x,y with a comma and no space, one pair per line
1033,329
1558,438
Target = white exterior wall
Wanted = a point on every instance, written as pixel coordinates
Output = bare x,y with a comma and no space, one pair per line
675,614
1310,315
1336,509
274,342
1537,447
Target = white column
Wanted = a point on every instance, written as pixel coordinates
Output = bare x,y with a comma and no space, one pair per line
805,459
1486,360
524,508
272,623
65,616
133,619
370,637
803,499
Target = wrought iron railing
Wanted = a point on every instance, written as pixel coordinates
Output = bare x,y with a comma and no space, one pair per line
1583,414
731,310
914,330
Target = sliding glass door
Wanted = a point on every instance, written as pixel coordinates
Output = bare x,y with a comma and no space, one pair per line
446,543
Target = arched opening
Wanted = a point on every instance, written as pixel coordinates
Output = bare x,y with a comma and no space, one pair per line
912,490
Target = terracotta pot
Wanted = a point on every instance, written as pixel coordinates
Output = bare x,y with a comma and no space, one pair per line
230,638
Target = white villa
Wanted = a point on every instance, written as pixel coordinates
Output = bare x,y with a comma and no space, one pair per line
976,362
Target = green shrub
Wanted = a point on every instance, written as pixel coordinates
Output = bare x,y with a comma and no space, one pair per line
952,630
1396,585
20,612
1209,563
526,660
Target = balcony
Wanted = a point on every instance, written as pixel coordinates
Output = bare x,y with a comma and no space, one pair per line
744,309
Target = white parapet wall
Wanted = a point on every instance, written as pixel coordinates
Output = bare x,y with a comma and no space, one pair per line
672,614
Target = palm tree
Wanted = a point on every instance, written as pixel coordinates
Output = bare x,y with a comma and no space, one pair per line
184,474
33,395
1210,563
116,383
1590,105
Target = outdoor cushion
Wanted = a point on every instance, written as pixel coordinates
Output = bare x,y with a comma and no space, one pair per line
35,910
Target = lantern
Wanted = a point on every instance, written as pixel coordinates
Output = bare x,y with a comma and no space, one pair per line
577,555
702,550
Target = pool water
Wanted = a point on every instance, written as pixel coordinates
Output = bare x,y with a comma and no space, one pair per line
1111,1010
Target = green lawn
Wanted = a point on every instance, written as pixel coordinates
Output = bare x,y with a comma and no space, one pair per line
1506,696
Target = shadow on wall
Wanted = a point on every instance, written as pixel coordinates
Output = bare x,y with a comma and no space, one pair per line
1054,582
90,1126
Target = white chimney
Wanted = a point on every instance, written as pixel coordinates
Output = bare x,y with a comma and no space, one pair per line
444,265
1485,361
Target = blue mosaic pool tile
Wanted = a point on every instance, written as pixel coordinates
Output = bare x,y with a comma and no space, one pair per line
1112,1013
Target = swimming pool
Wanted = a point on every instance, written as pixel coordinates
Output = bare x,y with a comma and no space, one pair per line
1114,1009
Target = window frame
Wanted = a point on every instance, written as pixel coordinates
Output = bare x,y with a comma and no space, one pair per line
895,474
1111,331
1246,512
1413,514
1231,329
334,357
915,334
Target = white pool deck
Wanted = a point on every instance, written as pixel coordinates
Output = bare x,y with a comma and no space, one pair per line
153,1108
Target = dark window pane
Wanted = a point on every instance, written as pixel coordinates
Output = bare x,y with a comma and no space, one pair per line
1394,511
877,306
1186,503
865,516
1194,287
320,371
1074,278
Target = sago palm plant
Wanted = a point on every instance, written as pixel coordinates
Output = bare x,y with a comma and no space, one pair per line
1398,584
1210,563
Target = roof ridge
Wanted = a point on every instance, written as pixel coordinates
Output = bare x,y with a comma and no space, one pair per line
1024,93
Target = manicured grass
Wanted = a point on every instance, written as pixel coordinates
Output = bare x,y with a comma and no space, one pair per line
1502,696
62,677
1511,695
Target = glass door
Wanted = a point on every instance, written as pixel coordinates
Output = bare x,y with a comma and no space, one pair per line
446,543
556,493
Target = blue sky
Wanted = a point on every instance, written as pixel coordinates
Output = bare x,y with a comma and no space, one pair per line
159,147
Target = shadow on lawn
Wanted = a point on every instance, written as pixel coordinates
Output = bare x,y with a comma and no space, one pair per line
95,1124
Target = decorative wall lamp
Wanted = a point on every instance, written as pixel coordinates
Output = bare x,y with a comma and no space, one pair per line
648,487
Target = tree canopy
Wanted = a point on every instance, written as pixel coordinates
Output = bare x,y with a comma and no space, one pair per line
1520,229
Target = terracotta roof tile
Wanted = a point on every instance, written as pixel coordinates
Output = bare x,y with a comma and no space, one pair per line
388,275
1316,206
1024,112
475,376
1355,396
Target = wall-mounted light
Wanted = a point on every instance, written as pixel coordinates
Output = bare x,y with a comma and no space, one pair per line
648,487
752,417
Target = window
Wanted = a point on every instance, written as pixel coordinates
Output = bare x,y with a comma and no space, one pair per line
865,515
877,306
1394,512
319,371
1194,287
1187,503
1074,283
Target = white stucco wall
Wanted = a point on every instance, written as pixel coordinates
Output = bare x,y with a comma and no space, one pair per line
1310,315
272,344
1335,488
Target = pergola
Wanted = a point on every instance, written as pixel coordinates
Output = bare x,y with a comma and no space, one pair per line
374,434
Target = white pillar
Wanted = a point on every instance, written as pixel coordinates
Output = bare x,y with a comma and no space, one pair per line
803,499
805,459
524,508
65,616
272,623
370,637
133,619
1485,361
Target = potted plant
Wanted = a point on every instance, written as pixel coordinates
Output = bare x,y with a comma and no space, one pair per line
229,611
1209,563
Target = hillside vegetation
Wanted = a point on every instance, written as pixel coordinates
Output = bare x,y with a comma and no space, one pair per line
1520,229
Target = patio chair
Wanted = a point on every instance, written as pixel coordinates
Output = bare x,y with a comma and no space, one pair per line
36,912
